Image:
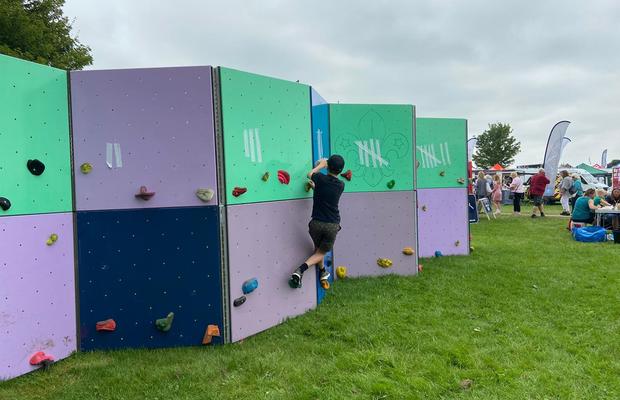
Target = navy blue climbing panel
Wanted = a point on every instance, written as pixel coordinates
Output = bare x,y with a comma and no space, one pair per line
136,266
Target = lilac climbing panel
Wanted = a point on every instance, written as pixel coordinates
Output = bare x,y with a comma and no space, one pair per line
443,222
376,225
37,301
143,127
267,241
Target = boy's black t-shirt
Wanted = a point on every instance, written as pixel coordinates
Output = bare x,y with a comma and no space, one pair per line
327,191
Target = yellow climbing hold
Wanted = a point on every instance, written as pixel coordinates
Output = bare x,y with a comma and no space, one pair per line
86,168
265,177
384,262
52,239
408,251
341,272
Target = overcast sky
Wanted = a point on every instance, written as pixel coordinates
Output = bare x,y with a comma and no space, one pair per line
529,64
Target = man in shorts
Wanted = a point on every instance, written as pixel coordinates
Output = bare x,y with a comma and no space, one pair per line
538,183
325,222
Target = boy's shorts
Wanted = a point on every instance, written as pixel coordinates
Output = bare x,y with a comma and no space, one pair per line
323,234
537,200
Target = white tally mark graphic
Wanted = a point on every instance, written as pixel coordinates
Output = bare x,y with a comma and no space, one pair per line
319,139
113,153
369,151
430,158
251,145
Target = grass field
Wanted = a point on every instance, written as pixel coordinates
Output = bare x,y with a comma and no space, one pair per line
530,315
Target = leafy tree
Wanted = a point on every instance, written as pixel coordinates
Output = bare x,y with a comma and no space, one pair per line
496,145
37,30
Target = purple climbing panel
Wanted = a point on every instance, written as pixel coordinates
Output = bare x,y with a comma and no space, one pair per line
376,225
37,302
143,127
267,241
443,222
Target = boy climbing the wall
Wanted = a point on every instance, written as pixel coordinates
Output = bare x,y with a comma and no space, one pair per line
325,222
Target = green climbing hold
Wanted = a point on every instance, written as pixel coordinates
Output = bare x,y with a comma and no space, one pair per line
164,324
86,168
391,184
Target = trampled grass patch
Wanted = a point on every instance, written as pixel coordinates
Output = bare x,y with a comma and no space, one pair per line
530,314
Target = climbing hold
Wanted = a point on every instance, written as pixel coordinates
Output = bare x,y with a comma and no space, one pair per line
325,285
417,164
347,175
41,359
238,191
442,173
457,243
471,248
391,184
109,325
239,301
461,181
164,324
384,262
35,167
212,330
205,194
249,286
438,253
265,177
144,194
86,168
424,208
52,239
341,272
284,177
308,186
420,267
408,251
5,204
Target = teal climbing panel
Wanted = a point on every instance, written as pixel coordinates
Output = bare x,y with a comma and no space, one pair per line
441,147
266,129
376,142
34,125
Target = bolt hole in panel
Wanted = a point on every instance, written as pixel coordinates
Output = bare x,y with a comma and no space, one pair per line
34,125
143,127
37,290
376,225
137,266
267,241
376,143
266,125
441,152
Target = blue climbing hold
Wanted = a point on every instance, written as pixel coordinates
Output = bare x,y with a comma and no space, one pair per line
438,253
249,286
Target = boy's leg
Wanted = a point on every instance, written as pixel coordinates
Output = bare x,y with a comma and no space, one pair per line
298,274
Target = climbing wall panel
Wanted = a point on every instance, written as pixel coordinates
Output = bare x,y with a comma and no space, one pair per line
143,127
34,125
376,142
267,128
441,153
376,225
136,266
443,222
267,241
37,290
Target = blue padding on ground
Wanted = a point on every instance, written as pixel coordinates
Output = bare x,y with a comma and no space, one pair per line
590,234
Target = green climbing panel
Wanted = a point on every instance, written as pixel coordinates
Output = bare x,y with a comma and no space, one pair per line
266,125
441,153
34,124
376,142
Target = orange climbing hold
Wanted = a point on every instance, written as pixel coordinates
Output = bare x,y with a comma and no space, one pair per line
144,193
42,359
284,177
109,325
212,330
347,175
238,191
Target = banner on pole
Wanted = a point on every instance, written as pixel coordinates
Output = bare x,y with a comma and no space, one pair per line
553,153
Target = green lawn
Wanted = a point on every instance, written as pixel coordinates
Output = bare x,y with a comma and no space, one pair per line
530,315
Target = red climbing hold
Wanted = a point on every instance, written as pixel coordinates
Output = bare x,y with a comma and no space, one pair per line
347,175
238,191
108,325
284,177
40,358
144,193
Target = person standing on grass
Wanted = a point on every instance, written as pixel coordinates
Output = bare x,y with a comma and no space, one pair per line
517,189
325,222
577,188
566,184
538,183
481,188
496,194
585,208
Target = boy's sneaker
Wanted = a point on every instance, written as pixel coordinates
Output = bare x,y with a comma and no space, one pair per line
542,214
295,281
534,216
324,275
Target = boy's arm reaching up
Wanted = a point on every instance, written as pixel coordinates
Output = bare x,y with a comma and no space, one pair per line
319,166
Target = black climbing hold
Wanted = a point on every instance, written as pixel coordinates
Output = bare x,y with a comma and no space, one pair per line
35,167
5,204
239,300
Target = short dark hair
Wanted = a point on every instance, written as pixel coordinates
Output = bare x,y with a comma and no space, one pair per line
335,164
